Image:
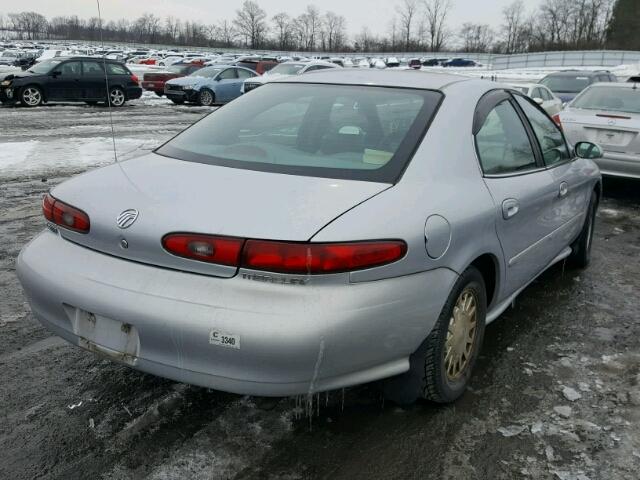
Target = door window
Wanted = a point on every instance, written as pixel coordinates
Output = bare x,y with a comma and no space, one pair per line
92,69
245,74
228,74
537,93
70,68
503,143
554,148
546,95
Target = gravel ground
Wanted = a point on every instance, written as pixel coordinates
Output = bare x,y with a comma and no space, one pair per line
556,394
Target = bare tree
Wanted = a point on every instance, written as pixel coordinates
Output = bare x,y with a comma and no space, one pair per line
514,27
334,27
407,12
476,37
283,26
436,13
251,24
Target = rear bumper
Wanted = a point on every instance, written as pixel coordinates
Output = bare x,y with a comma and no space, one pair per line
153,86
293,339
620,165
134,93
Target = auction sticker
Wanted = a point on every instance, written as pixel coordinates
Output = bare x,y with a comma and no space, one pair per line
226,340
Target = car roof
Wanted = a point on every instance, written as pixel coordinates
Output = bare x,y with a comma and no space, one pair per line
527,85
580,73
383,78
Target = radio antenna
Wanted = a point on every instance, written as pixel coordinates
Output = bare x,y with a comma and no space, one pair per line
106,81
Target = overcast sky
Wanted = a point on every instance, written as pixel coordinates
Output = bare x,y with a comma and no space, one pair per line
373,13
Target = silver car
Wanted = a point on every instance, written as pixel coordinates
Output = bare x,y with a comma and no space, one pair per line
319,232
608,114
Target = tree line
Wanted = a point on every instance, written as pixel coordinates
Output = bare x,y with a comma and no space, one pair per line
417,25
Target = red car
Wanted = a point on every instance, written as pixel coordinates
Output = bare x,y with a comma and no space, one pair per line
154,81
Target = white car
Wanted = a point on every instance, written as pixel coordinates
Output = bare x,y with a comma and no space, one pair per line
286,69
542,96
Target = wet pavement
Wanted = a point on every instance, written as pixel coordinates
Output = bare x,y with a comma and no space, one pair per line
556,394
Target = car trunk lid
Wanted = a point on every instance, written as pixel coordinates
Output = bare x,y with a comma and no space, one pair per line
615,131
174,196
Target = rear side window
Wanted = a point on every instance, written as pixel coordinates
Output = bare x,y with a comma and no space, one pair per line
115,69
554,148
92,69
244,74
503,143
333,131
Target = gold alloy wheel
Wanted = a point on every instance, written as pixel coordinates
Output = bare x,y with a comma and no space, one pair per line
461,334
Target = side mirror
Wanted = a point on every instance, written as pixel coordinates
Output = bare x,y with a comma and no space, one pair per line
588,150
538,100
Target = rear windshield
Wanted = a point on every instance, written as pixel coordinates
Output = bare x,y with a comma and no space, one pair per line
566,84
610,99
288,68
332,131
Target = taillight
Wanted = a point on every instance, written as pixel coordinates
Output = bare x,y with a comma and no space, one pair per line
556,118
206,248
134,78
318,258
65,215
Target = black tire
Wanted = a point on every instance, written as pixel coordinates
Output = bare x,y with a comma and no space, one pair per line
206,97
427,377
31,96
581,249
159,94
177,102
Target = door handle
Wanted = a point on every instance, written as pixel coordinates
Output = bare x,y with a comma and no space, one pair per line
564,189
510,208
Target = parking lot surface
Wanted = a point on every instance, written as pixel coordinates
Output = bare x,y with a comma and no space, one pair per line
556,394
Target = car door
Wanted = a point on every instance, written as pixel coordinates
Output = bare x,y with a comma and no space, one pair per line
522,189
571,186
225,84
93,80
65,82
243,74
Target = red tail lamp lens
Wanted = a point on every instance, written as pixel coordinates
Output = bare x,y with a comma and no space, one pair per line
65,215
556,118
134,78
309,258
206,248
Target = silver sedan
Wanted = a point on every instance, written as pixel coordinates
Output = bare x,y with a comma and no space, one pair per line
608,114
319,232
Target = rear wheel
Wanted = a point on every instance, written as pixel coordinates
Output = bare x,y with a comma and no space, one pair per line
441,367
159,94
31,96
206,97
116,97
581,249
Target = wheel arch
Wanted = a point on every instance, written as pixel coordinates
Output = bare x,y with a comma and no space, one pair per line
489,267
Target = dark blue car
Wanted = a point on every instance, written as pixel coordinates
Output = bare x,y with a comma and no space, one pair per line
459,62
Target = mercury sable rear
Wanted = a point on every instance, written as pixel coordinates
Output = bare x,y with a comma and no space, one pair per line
317,233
